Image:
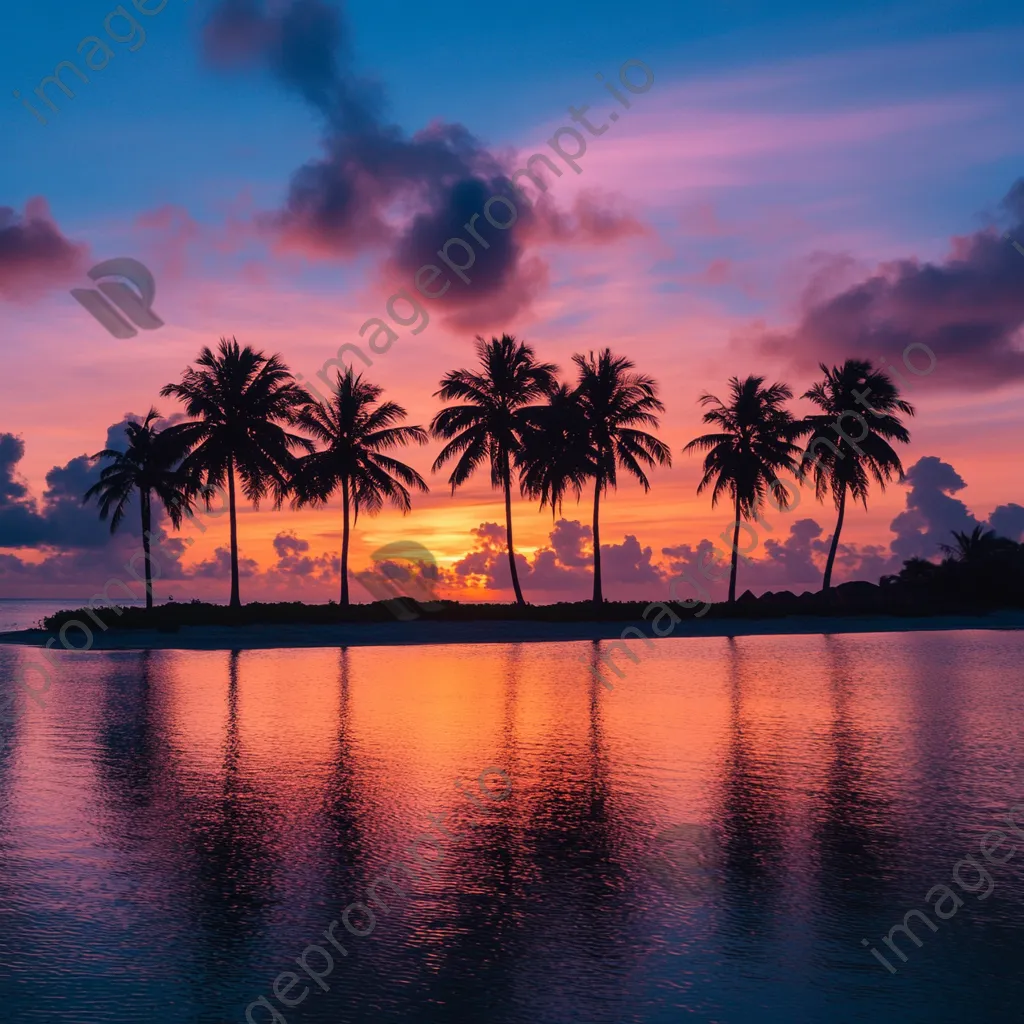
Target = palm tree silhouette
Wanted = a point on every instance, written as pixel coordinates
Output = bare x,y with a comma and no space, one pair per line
496,413
848,466
554,458
149,465
614,401
241,397
357,436
744,457
978,545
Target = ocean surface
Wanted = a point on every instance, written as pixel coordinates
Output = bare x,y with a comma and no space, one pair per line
28,612
188,838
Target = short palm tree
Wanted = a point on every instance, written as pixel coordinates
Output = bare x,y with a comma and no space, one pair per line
847,466
357,434
241,398
614,401
489,424
977,545
754,442
149,465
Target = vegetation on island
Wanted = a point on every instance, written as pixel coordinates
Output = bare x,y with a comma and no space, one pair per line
252,426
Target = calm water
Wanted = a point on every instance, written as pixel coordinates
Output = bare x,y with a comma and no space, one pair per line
709,841
28,612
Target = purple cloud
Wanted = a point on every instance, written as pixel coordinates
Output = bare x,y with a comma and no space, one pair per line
968,310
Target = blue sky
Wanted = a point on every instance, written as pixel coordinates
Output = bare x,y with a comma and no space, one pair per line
154,124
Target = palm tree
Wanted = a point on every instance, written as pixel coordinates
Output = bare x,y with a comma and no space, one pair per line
496,413
848,465
614,401
358,436
754,442
978,545
241,397
149,466
554,458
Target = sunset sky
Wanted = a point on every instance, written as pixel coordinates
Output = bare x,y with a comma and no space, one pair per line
801,183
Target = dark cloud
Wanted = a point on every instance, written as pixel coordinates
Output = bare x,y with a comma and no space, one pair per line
792,561
80,553
685,558
293,560
628,563
72,525
1013,201
571,543
219,566
932,512
34,255
487,565
287,545
968,309
61,520
1008,521
564,567
21,525
377,186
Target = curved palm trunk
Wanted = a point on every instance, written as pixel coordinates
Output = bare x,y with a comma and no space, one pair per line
508,535
344,543
146,523
735,554
236,601
598,597
827,583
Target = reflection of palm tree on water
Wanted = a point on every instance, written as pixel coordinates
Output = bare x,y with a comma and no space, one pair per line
750,814
851,842
229,846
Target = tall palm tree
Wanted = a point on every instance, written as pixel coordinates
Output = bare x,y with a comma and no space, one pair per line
848,465
357,434
554,458
755,440
490,423
149,465
615,401
241,398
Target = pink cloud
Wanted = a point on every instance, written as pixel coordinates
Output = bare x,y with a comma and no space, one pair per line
34,254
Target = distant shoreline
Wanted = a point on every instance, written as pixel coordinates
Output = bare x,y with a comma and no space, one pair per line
424,632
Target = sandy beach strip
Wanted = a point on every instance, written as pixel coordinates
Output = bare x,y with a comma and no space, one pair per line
388,634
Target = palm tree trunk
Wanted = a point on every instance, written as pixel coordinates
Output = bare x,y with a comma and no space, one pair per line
735,554
508,535
344,543
598,596
146,523
827,583
236,601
